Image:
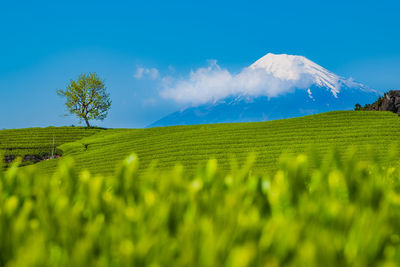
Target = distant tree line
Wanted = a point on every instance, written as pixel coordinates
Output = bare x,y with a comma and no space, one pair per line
374,106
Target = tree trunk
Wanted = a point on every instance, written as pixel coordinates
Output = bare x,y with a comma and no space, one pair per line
87,122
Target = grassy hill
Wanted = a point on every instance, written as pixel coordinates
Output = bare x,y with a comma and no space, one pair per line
37,143
314,209
191,146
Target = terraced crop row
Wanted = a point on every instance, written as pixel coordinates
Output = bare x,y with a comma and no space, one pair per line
38,142
191,146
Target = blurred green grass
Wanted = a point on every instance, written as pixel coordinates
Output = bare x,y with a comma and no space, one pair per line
338,210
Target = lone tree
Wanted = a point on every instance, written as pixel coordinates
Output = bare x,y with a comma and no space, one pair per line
87,98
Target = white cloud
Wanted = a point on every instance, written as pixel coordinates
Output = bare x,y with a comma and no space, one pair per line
213,83
151,73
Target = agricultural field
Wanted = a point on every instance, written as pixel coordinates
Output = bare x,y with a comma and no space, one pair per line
312,191
38,143
330,211
369,132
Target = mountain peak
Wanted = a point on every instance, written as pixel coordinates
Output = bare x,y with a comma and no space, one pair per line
273,87
297,68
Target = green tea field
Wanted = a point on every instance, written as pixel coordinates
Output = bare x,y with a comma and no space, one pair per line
322,190
310,212
39,142
100,151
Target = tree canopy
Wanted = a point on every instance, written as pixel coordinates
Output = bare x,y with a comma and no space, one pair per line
87,98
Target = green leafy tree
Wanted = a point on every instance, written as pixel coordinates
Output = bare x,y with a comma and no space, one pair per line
87,98
358,107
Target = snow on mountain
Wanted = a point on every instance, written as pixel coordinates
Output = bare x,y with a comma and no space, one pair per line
296,68
273,87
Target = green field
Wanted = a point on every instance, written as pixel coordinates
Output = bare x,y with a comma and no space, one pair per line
39,142
191,146
310,212
337,204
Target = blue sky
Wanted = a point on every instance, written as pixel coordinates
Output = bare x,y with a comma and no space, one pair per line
44,44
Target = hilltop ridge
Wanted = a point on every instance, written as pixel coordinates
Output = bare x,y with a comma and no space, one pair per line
193,145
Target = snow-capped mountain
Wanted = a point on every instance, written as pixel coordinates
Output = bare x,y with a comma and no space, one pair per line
276,87
297,69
